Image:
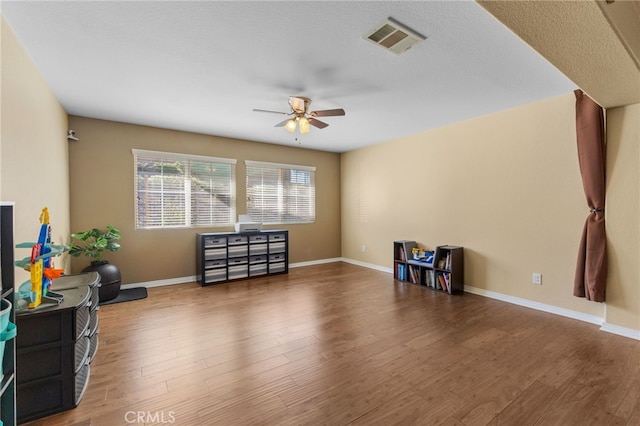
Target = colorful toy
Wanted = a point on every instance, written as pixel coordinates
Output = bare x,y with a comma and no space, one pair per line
40,265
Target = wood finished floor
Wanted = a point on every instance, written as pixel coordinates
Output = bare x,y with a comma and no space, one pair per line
338,344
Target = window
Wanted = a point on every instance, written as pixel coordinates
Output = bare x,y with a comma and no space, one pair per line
175,190
280,193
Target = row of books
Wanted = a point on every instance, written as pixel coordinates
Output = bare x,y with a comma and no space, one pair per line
438,281
443,282
428,279
414,274
401,254
411,274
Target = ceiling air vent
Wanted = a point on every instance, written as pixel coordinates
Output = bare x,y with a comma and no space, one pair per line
393,36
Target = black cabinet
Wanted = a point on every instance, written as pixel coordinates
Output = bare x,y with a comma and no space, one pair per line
222,257
55,346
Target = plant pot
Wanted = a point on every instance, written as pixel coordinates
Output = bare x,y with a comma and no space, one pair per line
110,279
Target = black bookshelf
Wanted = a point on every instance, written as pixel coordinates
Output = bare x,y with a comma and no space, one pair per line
445,273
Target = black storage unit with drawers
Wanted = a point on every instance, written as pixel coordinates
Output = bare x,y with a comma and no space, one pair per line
222,257
55,345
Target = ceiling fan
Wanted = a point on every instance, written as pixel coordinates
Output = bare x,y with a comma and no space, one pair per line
301,117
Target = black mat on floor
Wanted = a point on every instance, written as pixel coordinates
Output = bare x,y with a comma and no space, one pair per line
128,294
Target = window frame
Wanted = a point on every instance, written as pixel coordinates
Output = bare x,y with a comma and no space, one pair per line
282,192
187,181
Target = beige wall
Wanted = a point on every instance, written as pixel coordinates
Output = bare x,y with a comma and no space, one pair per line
33,149
505,186
101,173
623,213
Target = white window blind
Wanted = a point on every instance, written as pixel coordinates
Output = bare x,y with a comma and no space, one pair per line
280,193
174,190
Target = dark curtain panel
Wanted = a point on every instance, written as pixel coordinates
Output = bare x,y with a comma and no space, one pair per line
591,269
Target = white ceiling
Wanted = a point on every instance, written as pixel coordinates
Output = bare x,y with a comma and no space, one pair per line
203,66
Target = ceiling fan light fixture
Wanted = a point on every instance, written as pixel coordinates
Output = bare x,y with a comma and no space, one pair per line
304,125
300,117
291,125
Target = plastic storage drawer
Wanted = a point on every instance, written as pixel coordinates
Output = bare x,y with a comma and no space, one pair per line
276,237
238,239
275,268
278,257
239,271
218,253
212,242
81,349
258,249
258,238
215,263
257,259
82,380
238,251
276,247
260,269
215,275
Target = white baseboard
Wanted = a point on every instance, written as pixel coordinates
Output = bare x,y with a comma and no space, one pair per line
343,259
592,319
604,326
621,331
368,265
315,262
160,283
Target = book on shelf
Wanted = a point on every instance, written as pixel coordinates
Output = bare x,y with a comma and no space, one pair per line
443,282
415,274
402,272
428,278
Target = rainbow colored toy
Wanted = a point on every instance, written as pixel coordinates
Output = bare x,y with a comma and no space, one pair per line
40,265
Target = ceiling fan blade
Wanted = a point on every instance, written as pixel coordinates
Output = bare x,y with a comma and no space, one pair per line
273,112
328,112
282,123
317,123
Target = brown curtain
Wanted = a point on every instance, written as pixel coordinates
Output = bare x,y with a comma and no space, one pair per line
591,269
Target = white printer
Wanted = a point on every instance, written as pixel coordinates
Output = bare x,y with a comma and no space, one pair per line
245,224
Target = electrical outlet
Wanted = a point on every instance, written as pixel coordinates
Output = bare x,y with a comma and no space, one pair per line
537,278
364,248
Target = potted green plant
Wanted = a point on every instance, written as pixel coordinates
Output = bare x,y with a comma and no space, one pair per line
92,244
